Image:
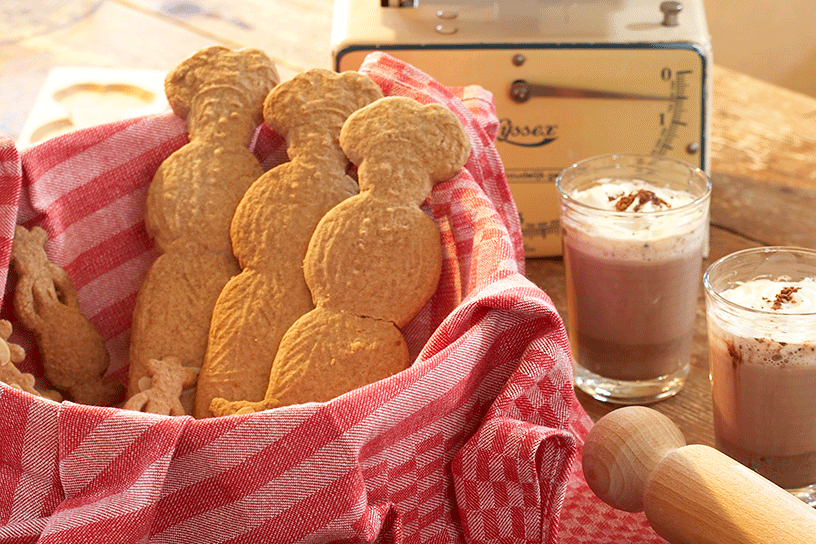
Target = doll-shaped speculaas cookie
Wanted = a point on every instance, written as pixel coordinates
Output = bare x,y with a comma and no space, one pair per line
271,231
374,259
191,201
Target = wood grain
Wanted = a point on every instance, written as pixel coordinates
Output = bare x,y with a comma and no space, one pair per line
636,459
761,131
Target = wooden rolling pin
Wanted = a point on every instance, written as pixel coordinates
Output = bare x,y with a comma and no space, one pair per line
636,459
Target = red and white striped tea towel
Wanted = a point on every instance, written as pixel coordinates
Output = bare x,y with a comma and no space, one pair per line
477,442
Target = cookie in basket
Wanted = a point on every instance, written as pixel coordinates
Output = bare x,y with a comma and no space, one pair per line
271,230
191,201
374,259
161,390
74,355
10,356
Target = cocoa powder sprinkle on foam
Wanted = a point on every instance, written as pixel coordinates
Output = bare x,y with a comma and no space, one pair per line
785,295
642,197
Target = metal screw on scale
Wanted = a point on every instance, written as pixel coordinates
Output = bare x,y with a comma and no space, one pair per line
520,91
671,10
448,25
398,3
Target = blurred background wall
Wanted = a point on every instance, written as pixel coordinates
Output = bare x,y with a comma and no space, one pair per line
772,40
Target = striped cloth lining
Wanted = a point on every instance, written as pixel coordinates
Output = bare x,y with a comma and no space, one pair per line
478,441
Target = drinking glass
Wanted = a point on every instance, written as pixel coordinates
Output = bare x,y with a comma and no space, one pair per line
632,273
761,315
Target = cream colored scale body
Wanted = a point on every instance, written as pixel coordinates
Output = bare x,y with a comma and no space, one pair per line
601,78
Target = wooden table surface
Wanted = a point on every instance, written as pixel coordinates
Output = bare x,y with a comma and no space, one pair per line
763,137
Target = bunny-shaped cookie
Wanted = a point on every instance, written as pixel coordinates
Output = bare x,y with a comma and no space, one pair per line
74,355
191,201
374,259
271,231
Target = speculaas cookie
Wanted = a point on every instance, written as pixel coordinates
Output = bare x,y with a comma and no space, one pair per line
191,201
271,231
374,259
74,355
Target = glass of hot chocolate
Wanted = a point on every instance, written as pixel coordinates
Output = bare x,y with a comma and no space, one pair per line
761,313
634,229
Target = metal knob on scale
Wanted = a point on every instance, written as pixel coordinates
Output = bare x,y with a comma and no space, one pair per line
671,10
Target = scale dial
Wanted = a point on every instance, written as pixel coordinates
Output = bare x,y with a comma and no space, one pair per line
595,100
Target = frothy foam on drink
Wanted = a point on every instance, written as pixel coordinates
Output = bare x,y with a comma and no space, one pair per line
648,234
631,196
783,335
785,297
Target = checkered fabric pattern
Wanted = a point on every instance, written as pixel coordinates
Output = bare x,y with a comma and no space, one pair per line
478,441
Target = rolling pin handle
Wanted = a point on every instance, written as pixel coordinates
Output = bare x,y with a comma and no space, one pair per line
636,459
623,449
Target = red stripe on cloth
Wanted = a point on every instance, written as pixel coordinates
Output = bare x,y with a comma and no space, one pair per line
205,432
110,485
124,528
585,519
224,487
27,532
141,447
115,319
441,406
13,427
29,477
9,189
110,253
79,179
47,155
97,193
333,501
39,490
8,151
11,172
83,198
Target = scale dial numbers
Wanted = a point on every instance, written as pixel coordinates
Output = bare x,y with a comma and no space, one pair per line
599,100
568,103
676,117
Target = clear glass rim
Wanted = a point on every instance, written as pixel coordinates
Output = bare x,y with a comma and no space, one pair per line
709,289
693,172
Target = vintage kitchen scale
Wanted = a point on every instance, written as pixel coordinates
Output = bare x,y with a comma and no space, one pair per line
570,78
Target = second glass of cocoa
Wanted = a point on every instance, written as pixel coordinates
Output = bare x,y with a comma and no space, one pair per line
761,314
634,230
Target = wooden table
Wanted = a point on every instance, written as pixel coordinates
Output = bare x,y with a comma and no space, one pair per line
763,140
